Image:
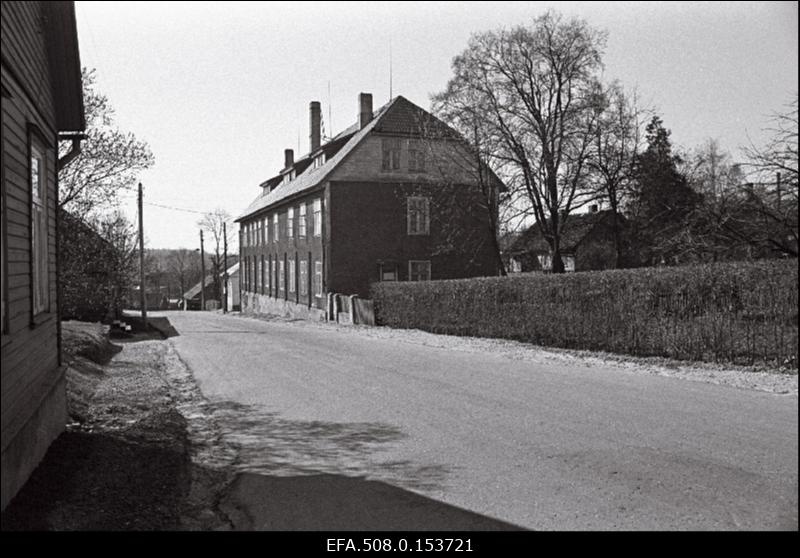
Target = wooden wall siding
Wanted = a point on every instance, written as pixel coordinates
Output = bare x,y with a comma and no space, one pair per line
25,53
444,161
29,352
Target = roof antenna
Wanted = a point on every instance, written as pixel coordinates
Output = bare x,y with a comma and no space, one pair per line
390,69
330,118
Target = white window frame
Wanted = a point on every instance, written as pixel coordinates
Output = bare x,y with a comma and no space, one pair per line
276,230
40,280
301,226
292,276
303,277
416,162
282,275
390,154
418,220
318,217
411,274
318,279
290,223
273,288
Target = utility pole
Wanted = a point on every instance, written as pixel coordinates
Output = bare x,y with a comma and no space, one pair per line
142,297
225,267
202,273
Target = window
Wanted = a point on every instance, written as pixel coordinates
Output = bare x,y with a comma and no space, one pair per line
273,286
419,270
262,239
39,240
416,157
292,276
318,279
418,215
545,262
387,272
289,176
275,228
319,160
391,154
290,223
301,226
282,275
303,277
317,217
259,271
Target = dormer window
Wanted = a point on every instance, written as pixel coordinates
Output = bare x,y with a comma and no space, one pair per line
319,160
289,176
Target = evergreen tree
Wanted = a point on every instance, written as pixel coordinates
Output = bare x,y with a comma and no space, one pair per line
663,202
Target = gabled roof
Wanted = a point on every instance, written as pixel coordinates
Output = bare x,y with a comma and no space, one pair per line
575,230
398,117
314,176
194,291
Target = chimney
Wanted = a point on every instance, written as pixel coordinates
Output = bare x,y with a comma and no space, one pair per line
314,119
364,109
288,158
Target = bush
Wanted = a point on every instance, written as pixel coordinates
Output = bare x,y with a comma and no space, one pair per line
743,312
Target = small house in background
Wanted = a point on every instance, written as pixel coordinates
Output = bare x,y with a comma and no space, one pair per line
42,105
587,243
192,299
234,301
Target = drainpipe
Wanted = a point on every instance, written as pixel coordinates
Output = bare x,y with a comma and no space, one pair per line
62,162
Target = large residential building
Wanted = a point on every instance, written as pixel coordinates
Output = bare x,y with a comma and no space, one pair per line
42,104
398,196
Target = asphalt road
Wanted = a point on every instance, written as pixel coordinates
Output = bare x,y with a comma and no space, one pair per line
330,421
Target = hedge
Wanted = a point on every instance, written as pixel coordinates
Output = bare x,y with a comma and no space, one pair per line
744,312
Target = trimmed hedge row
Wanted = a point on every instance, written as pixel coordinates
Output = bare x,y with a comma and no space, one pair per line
743,312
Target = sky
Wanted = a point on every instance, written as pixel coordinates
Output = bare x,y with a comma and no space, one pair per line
219,89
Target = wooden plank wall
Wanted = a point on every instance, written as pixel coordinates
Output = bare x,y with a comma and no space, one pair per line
29,346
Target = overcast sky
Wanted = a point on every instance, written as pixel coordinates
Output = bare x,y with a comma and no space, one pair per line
220,89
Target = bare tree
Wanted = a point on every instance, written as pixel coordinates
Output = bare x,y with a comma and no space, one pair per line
531,91
214,222
617,146
182,264
122,235
109,162
468,194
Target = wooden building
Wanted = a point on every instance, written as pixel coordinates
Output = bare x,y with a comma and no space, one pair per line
397,196
42,103
587,243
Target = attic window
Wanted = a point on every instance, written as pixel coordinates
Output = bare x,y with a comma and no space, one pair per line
391,154
289,176
416,156
319,160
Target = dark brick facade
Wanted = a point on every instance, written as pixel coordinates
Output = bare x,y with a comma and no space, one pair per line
369,231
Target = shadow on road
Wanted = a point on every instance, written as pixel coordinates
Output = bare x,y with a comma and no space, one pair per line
338,503
269,444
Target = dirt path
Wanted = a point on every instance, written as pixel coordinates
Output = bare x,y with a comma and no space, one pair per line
125,461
